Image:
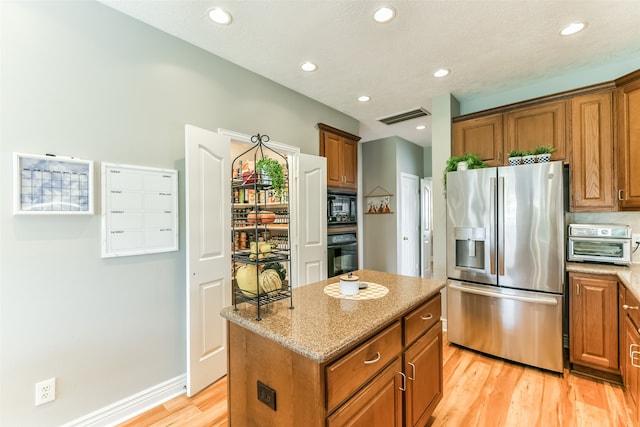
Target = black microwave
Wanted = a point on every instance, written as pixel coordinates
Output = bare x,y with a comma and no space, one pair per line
341,208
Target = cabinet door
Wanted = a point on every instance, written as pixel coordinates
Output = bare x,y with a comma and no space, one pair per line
632,373
593,326
540,125
350,164
341,150
628,145
379,404
592,153
333,152
622,315
482,136
423,367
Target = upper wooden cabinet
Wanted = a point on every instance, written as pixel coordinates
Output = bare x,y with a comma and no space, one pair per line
542,124
628,141
591,183
482,136
493,136
341,150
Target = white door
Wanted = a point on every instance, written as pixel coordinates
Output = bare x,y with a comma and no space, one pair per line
311,219
425,219
409,227
208,218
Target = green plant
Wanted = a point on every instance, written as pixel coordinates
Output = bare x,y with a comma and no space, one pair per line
528,153
473,162
273,169
544,149
515,153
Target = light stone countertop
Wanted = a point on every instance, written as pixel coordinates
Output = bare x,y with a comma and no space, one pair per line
629,276
320,327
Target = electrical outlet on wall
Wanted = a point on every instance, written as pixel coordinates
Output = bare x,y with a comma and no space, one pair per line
45,391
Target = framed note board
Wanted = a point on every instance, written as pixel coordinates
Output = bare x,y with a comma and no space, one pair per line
52,185
139,210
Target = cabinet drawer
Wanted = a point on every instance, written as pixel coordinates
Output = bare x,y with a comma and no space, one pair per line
350,372
634,313
421,319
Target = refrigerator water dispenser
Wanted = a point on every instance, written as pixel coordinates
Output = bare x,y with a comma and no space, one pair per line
470,244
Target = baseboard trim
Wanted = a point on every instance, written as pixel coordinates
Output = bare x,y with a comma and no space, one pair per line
131,406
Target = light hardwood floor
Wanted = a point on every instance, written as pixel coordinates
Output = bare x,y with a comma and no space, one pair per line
478,391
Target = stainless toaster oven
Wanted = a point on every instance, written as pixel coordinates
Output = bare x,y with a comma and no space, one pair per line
601,243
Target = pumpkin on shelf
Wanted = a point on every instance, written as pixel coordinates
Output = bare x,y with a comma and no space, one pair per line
270,281
247,280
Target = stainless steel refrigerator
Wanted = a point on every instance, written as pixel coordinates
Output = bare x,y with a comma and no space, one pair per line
505,262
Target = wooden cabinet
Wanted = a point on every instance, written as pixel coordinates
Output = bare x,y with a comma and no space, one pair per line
593,323
341,150
384,380
424,378
628,141
630,351
420,374
482,136
543,124
493,136
591,184
354,369
379,404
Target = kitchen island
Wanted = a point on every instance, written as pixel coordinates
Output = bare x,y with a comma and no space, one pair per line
374,359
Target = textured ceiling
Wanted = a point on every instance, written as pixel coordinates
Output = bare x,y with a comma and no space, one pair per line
488,45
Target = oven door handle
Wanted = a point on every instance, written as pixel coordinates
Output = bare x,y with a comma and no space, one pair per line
342,245
600,239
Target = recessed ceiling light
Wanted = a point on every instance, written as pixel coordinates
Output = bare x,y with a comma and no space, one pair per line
420,127
308,66
441,72
573,28
364,98
384,14
220,16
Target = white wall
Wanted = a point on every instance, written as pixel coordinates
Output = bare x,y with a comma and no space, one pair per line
80,79
383,162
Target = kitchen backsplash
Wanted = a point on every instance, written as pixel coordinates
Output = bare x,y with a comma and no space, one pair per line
629,218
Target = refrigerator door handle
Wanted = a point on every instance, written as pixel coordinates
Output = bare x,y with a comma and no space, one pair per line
501,226
492,230
489,293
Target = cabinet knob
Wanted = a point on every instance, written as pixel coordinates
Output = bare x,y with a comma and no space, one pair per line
630,307
427,317
620,195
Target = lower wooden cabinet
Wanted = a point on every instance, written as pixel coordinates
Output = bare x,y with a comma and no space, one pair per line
416,375
393,378
422,363
379,404
593,323
630,351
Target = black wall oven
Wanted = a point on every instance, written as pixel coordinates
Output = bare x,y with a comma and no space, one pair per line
342,252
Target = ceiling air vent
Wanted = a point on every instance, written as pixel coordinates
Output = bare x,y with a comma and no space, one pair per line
403,117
